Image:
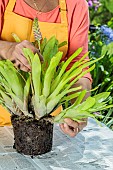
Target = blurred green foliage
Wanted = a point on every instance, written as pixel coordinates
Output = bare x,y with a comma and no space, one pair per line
103,73
103,14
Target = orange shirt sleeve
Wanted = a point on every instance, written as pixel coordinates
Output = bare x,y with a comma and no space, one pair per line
78,30
3,4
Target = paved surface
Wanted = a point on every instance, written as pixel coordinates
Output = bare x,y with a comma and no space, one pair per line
92,149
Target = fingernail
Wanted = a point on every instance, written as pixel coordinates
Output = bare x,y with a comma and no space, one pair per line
65,125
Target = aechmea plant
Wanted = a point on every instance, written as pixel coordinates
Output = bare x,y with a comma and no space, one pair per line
48,85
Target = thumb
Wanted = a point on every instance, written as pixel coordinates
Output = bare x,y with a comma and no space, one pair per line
39,54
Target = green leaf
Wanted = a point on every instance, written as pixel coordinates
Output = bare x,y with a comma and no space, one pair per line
50,73
80,98
101,97
36,75
59,117
12,77
26,92
90,101
48,50
62,44
64,66
42,45
29,55
16,38
52,103
109,5
70,97
6,99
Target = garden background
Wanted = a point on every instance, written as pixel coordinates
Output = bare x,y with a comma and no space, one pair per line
101,43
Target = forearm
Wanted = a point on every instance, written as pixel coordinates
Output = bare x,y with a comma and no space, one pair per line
86,84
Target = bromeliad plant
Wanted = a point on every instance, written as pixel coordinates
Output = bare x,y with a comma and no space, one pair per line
48,85
88,108
40,91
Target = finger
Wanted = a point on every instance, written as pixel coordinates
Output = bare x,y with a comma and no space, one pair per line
18,53
19,65
24,68
67,130
35,50
24,62
27,44
71,122
39,54
20,59
62,127
81,125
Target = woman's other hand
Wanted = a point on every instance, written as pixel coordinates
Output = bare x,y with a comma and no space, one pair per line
71,127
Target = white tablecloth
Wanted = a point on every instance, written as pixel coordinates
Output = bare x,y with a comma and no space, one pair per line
92,149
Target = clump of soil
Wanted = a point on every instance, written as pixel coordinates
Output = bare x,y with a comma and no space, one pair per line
32,137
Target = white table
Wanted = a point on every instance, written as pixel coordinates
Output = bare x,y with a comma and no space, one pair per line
92,149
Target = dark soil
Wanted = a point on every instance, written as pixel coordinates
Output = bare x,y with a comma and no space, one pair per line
32,137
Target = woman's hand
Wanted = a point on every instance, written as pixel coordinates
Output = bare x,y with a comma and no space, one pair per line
72,128
13,52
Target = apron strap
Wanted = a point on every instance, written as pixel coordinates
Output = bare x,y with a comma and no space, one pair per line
10,5
63,11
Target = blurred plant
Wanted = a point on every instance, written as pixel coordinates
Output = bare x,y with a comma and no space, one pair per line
94,4
108,32
109,5
99,9
110,23
101,43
